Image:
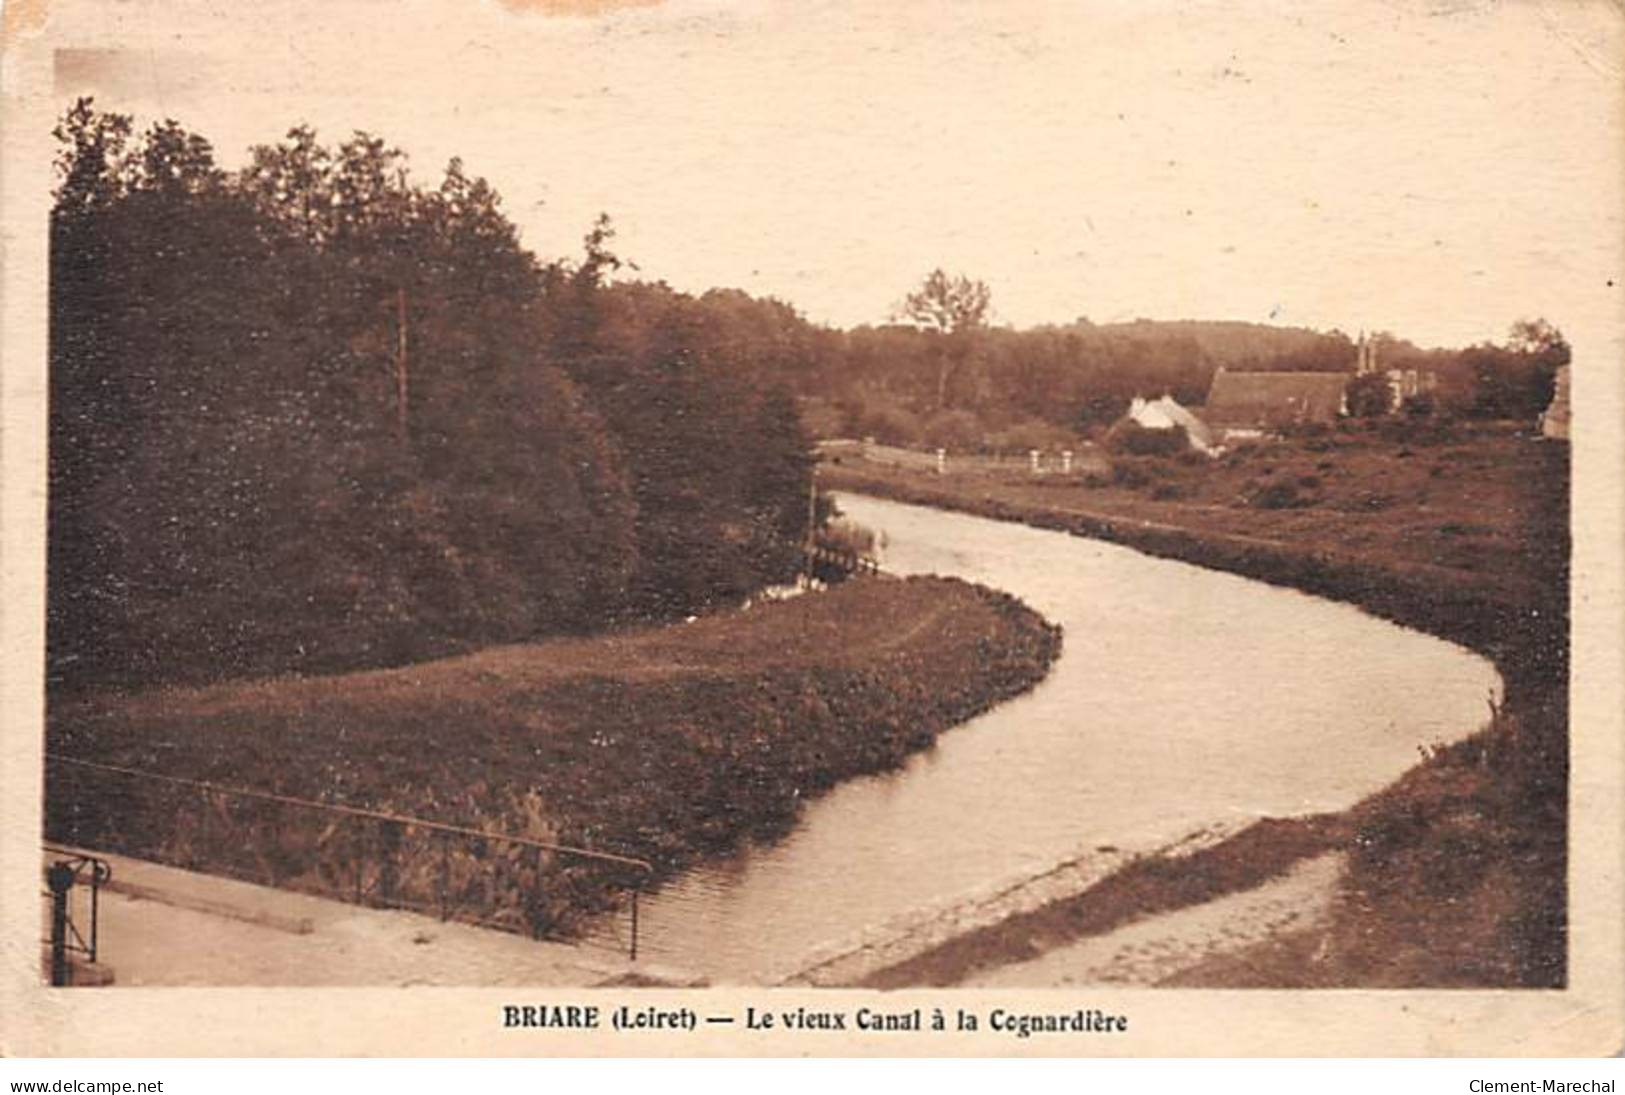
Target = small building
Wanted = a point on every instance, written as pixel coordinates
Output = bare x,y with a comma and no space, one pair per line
1403,384
1406,384
1166,413
1554,421
1241,405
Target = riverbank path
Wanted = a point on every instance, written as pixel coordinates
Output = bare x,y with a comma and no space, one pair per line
163,926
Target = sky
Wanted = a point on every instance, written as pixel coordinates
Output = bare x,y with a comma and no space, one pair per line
1438,168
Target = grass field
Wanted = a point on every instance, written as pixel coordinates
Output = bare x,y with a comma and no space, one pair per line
665,744
1457,872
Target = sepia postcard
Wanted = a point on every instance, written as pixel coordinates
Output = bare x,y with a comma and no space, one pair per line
735,527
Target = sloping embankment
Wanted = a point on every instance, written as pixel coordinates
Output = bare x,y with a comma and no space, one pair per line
1457,873
666,744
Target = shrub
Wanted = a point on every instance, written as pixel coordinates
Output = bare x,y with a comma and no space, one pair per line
1130,474
1241,452
1418,430
844,534
1366,502
957,431
1280,496
1421,405
1034,434
890,424
1131,437
1368,396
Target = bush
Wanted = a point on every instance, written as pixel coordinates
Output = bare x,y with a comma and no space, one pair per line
1131,437
956,431
889,424
1136,473
1034,434
1241,453
1130,474
844,534
1417,430
1280,496
1421,405
1369,396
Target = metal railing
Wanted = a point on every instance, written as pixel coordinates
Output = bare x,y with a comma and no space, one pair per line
833,564
66,870
390,860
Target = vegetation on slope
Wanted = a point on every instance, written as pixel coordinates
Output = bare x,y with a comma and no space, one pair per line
666,744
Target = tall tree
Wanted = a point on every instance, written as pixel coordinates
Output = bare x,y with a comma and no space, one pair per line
955,308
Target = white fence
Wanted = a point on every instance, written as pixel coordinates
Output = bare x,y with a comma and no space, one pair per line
1086,459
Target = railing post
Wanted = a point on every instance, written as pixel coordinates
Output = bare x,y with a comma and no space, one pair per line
386,865
96,880
60,879
635,888
361,862
540,893
445,876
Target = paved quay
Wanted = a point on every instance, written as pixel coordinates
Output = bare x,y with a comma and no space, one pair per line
164,926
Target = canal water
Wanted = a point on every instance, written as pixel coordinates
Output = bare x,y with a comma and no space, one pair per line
1183,698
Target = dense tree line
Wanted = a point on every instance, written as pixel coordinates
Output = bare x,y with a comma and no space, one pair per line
309,415
1018,389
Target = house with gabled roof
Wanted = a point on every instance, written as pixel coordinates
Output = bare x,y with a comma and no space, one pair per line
1241,405
1165,413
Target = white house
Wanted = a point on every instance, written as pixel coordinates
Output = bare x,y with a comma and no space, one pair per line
1166,413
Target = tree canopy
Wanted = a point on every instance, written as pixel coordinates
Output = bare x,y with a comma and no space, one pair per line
311,415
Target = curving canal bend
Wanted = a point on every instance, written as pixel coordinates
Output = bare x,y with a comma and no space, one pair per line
1183,698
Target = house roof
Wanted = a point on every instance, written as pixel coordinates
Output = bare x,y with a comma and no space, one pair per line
1167,409
1274,399
1194,426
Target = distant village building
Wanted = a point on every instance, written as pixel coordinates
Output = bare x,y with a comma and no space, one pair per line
1243,405
1554,422
1165,414
1403,384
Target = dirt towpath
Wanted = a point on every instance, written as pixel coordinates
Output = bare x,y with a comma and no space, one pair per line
163,926
1164,948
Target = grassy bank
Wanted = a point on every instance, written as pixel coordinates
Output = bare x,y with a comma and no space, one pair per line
1457,871
667,744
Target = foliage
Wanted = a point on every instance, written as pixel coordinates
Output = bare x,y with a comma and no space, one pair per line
1032,433
1130,437
956,431
310,415
1368,395
847,535
953,308
664,743
887,422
